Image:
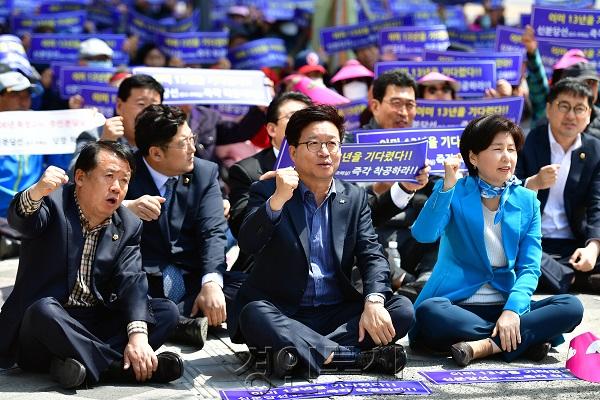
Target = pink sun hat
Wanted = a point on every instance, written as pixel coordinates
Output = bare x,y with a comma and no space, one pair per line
583,358
352,69
436,77
317,93
570,58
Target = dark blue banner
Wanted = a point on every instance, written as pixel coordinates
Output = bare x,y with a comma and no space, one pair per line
551,50
352,112
565,23
497,375
574,4
476,40
412,40
54,6
72,78
59,47
508,65
441,114
259,53
194,47
102,98
71,22
474,76
509,39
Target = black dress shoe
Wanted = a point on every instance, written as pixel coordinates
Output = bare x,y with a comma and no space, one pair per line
284,362
170,367
594,282
462,353
191,331
537,352
69,373
389,359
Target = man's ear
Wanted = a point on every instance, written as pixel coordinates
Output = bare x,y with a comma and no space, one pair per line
155,153
374,105
292,151
78,177
271,129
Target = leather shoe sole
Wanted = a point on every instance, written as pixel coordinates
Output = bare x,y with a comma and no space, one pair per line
191,331
170,367
389,359
284,362
69,373
537,352
462,353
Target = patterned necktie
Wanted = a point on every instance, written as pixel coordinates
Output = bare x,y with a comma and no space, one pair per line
173,284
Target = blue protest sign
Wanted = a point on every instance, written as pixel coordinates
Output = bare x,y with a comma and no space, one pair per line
565,23
441,143
412,40
75,76
259,53
474,75
71,22
231,112
326,390
352,112
525,20
6,7
509,39
497,375
104,15
210,86
551,50
372,162
194,47
103,98
46,48
508,65
565,3
476,40
54,6
439,114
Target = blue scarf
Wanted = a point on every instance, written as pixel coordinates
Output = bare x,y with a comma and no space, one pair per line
489,192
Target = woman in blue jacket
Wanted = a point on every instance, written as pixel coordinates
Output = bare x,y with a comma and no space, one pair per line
478,299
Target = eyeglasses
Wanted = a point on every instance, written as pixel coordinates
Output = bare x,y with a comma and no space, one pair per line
314,147
565,108
287,116
434,89
184,143
399,104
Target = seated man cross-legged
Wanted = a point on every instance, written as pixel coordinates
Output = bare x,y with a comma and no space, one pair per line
306,231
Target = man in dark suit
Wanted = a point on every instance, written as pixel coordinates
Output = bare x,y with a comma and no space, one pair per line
80,305
563,165
306,231
183,241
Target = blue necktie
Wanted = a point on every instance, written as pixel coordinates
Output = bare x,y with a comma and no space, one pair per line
173,285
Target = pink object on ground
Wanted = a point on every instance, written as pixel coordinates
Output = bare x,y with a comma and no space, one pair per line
570,58
317,93
352,69
583,359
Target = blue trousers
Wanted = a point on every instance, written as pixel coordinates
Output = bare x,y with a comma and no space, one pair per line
315,332
95,336
440,323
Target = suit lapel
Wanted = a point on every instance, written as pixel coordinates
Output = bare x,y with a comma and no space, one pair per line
544,157
473,214
578,158
340,213
107,243
74,237
295,209
266,160
511,229
148,186
179,205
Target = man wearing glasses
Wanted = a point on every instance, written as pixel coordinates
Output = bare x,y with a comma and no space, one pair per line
563,165
306,231
177,195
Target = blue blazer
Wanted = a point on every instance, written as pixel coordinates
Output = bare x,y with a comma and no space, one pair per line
463,265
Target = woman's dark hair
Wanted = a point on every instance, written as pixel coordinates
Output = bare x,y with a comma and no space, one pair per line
480,133
143,51
156,125
302,118
88,158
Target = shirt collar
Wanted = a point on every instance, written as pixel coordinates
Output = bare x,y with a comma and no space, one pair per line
276,151
158,178
554,144
330,193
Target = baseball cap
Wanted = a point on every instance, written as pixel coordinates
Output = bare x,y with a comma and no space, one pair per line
94,47
581,71
14,81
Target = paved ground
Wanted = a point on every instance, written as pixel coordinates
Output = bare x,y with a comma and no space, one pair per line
218,367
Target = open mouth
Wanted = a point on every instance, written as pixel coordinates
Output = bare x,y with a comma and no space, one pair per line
112,201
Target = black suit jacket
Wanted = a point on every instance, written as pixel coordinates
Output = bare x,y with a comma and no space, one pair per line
582,189
281,249
50,257
194,236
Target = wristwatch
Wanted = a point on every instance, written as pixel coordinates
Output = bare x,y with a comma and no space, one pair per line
375,298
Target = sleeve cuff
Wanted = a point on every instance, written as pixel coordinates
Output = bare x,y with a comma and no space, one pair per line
399,196
213,277
26,205
273,215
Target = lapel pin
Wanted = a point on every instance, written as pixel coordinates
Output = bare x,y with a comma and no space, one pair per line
582,156
115,237
186,180
342,201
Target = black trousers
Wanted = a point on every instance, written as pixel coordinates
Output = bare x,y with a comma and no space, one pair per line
315,332
93,336
557,272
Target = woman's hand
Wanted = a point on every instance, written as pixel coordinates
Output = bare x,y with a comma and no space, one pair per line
451,172
508,327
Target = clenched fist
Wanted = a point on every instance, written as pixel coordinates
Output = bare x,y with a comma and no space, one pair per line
52,179
451,171
286,181
113,129
545,178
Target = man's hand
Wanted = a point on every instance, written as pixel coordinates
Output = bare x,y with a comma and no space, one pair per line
584,258
508,327
528,40
503,89
211,301
76,102
451,171
376,320
146,207
52,179
226,208
139,355
545,178
113,129
422,179
286,181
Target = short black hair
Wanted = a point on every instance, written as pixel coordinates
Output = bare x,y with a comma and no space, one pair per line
156,125
480,133
572,86
278,101
393,77
88,158
139,81
316,113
